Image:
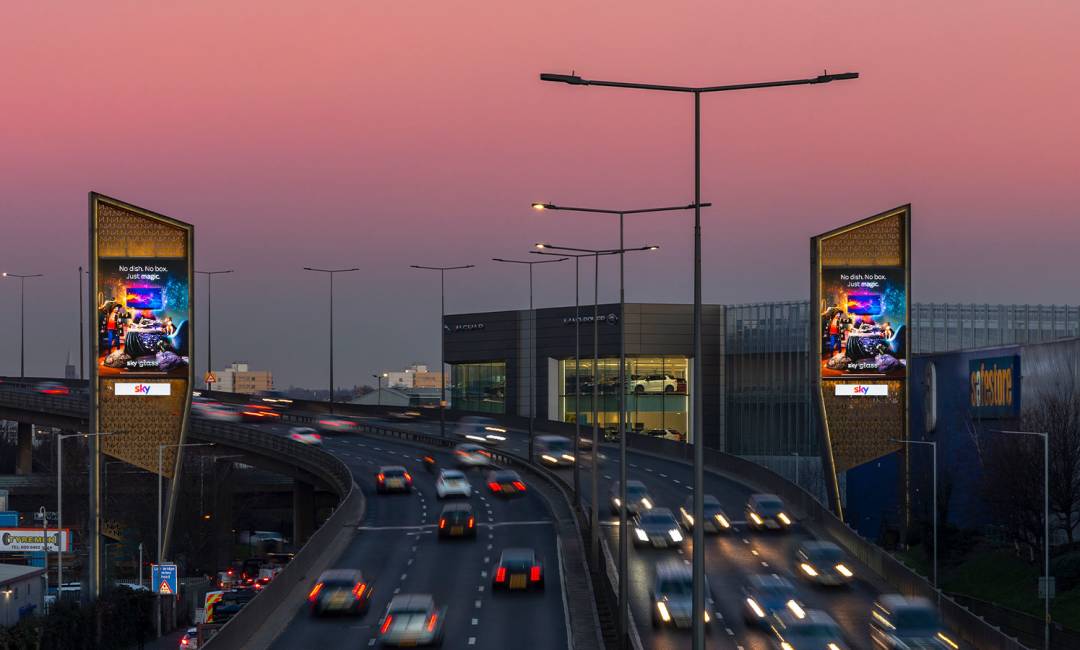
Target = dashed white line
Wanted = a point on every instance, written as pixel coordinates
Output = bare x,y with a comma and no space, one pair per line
477,604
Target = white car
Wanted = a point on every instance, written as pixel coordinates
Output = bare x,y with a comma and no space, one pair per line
452,483
484,430
663,383
470,455
305,435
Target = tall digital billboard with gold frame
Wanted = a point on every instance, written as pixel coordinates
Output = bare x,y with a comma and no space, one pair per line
860,279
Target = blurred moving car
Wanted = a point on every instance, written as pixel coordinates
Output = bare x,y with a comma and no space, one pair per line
715,520
452,483
898,622
673,596
478,428
305,435
637,497
765,594
331,424
657,528
518,569
259,413
51,388
215,411
232,602
766,512
412,620
275,399
190,639
554,450
340,591
823,563
457,520
392,478
505,483
811,629
472,455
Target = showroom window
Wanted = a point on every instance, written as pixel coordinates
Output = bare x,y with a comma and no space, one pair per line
656,394
478,387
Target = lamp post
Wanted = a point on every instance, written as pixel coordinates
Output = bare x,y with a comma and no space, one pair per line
532,342
60,503
160,490
624,548
82,331
378,380
696,401
331,273
210,319
933,450
1046,527
22,316
442,343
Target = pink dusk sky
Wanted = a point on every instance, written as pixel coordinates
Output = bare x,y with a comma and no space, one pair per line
380,134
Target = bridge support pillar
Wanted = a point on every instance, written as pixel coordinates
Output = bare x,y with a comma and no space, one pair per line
24,457
224,536
303,511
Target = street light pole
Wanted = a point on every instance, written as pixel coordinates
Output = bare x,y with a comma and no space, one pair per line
442,342
60,503
696,377
378,383
331,273
82,332
22,317
532,344
1046,528
210,319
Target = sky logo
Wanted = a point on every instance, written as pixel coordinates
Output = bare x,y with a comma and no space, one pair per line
140,389
862,390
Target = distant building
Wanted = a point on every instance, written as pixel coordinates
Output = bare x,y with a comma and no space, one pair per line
237,378
22,592
415,397
69,368
415,376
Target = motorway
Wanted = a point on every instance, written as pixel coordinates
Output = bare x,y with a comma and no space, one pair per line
397,550
729,558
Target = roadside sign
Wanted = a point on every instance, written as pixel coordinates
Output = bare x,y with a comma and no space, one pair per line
1047,584
163,577
209,378
50,514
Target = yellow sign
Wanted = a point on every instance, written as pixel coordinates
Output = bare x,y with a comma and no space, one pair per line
209,378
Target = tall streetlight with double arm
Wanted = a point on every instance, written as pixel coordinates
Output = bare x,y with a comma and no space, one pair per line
331,273
210,320
21,277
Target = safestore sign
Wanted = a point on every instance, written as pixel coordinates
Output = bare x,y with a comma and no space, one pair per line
994,387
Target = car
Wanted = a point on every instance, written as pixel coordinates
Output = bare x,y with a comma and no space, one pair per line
655,383
215,411
666,434
392,478
478,428
452,483
330,424
715,519
231,602
766,512
412,620
274,399
823,563
765,594
637,497
518,569
505,483
305,435
555,451
657,528
190,639
51,388
340,591
260,583
259,413
811,629
672,596
457,520
900,622
472,455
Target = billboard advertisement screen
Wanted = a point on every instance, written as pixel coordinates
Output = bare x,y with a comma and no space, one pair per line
143,316
864,322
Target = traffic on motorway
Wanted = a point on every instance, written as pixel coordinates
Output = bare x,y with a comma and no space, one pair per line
449,538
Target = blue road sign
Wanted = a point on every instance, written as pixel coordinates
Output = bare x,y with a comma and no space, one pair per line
163,579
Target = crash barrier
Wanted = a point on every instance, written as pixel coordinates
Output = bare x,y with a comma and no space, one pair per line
961,621
577,583
276,603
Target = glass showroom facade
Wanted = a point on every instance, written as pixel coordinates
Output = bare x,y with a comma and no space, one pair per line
479,386
656,394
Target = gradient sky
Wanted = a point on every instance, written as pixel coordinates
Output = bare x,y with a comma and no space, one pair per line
380,134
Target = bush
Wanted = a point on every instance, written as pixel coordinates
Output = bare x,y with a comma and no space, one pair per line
1066,570
121,615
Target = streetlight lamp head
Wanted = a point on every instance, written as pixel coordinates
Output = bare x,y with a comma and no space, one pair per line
653,248
563,78
826,78
539,206
541,245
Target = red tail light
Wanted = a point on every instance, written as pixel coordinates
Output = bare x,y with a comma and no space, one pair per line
386,624
183,641
408,478
500,574
381,477
520,486
534,573
471,521
315,592
431,622
495,487
358,590
442,523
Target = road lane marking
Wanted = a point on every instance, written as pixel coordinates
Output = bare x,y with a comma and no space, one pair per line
477,604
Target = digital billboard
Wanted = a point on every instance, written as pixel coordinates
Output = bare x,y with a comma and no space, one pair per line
863,322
